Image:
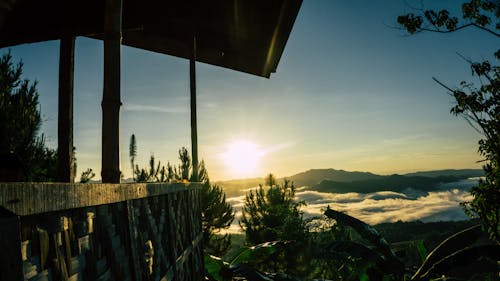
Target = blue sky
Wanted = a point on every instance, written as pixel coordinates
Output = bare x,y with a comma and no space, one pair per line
350,92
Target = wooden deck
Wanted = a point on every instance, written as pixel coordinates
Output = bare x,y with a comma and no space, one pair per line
134,231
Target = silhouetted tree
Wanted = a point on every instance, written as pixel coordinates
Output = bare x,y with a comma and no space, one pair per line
185,166
272,213
216,215
87,175
479,105
20,122
132,152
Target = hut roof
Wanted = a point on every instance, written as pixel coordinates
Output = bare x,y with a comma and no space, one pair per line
247,36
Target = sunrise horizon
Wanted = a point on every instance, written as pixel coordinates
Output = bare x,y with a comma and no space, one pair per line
343,105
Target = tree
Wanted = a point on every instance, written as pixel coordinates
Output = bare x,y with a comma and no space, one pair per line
132,153
479,105
87,175
20,121
216,214
272,214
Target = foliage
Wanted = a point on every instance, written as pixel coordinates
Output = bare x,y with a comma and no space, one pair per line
20,122
479,105
456,257
331,254
87,175
132,153
272,214
216,214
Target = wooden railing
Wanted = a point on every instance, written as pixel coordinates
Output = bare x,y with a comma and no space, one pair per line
57,231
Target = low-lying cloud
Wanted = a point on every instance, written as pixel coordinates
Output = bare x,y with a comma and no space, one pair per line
380,207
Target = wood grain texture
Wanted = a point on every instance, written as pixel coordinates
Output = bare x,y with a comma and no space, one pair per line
34,198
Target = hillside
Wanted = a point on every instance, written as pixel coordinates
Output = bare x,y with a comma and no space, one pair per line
470,173
341,181
315,176
395,183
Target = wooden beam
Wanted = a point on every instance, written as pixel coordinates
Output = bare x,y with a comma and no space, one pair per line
25,199
194,126
111,94
65,153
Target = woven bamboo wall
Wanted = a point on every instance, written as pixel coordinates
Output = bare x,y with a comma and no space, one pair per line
100,232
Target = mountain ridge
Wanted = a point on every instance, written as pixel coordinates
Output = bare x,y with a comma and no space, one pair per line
341,181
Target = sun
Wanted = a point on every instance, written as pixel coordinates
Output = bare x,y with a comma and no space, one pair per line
242,158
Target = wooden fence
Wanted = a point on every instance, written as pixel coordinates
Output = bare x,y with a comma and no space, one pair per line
57,231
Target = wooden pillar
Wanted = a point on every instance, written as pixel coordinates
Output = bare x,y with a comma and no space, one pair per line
65,153
11,262
194,126
111,94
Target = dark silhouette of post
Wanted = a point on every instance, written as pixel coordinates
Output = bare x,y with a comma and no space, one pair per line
111,94
194,126
65,164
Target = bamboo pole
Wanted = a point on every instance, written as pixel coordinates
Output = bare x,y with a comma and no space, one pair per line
65,153
194,126
111,94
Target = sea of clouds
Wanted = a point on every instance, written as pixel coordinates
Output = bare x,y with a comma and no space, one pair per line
443,204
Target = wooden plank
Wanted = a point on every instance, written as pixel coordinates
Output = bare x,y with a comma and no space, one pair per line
65,168
11,263
111,93
35,198
134,236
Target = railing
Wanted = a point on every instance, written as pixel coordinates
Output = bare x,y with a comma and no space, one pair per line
57,231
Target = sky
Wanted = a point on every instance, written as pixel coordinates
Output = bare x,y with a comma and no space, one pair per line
351,92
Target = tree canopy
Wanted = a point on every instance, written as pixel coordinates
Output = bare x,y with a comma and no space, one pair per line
22,150
216,214
478,104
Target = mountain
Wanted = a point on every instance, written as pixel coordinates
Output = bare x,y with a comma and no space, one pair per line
315,176
340,181
395,183
469,173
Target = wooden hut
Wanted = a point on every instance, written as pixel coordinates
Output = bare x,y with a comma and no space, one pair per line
114,231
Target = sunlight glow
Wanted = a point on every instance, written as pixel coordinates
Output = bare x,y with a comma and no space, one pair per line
242,158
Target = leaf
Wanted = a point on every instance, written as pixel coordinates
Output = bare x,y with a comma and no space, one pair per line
249,273
214,266
253,253
450,245
422,251
358,250
369,233
466,262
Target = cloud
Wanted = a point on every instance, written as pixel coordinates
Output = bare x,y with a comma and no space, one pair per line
154,108
378,207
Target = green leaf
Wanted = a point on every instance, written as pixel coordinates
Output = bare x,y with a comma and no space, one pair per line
214,266
255,252
369,233
466,263
452,244
422,251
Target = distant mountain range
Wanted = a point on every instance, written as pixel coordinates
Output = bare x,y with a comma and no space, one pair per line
340,181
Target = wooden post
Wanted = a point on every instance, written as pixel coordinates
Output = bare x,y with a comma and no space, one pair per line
194,126
11,263
65,166
111,95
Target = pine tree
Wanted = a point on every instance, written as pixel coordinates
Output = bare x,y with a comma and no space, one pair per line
21,149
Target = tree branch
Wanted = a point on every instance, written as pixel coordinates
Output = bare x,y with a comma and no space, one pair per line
437,30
